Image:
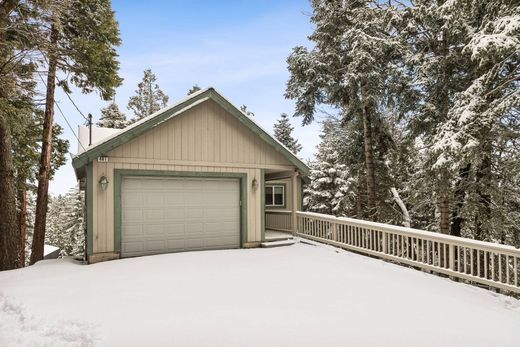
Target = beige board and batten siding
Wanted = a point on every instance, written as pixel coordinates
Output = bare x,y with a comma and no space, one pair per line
205,138
280,218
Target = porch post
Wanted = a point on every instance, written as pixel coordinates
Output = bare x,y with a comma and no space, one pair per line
294,201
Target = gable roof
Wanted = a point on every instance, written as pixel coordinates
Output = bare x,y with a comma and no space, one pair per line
138,128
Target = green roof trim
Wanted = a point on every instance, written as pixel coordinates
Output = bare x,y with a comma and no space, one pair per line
193,100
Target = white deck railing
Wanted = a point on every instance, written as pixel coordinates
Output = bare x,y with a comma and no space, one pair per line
278,220
487,263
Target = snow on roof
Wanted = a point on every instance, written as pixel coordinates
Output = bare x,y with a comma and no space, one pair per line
293,157
98,135
108,136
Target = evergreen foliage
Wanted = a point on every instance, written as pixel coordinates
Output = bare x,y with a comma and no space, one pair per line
149,97
112,117
244,109
80,41
283,133
430,91
329,191
194,89
65,225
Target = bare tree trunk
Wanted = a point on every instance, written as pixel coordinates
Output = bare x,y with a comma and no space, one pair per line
369,158
22,220
8,232
402,206
45,158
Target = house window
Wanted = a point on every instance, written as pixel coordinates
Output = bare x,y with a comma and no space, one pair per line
275,196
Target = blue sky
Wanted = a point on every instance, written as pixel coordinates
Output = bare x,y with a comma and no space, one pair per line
238,47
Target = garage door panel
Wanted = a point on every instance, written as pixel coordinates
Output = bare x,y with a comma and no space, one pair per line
152,214
195,198
133,229
156,245
176,245
192,185
154,199
133,247
224,197
133,198
195,243
194,213
221,227
174,214
195,228
153,229
220,242
175,229
133,184
177,214
174,198
221,212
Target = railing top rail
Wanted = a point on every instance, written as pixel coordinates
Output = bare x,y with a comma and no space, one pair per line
278,211
416,232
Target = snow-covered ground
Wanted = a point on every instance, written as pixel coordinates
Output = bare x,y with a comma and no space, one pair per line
302,295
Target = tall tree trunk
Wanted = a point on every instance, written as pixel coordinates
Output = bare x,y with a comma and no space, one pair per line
444,209
9,258
369,159
460,195
45,158
9,254
359,197
442,105
483,180
22,221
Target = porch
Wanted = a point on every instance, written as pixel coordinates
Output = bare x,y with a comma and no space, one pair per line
282,201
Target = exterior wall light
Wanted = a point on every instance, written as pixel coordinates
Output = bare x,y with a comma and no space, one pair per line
103,182
255,184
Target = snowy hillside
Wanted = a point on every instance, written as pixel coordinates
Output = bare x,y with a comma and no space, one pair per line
299,295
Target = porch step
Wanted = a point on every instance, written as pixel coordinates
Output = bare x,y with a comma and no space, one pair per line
271,244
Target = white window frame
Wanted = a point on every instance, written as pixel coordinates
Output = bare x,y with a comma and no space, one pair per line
272,204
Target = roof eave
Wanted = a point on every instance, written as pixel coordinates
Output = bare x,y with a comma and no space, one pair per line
84,158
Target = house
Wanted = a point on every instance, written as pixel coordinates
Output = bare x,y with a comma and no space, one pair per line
197,175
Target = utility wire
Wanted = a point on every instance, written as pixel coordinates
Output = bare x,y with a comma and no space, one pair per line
72,101
63,115
47,61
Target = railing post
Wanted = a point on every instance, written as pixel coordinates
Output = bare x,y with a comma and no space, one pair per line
452,257
385,243
294,184
334,232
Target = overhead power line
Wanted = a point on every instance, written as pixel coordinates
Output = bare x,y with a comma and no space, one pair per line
63,115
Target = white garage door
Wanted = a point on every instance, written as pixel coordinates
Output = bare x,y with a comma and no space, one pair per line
160,215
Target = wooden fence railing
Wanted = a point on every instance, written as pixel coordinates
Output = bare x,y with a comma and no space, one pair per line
278,220
487,263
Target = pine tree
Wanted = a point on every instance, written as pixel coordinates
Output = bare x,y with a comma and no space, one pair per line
81,42
149,97
479,117
329,191
244,109
16,90
347,68
283,133
194,89
66,227
112,117
26,145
